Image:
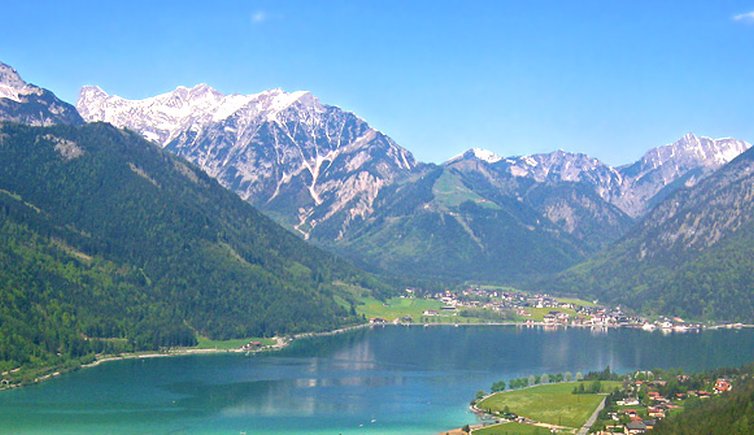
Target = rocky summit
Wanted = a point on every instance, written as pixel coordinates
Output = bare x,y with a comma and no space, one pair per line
313,166
24,103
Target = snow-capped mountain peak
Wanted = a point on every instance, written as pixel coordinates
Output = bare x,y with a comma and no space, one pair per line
477,154
690,158
26,103
631,187
163,117
12,86
10,77
283,151
562,166
485,155
696,150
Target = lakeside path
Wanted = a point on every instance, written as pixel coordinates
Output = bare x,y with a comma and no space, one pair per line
280,343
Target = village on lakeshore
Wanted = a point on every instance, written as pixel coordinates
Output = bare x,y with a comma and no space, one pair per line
603,402
501,305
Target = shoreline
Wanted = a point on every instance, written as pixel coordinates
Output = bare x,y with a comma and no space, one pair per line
566,326
281,342
284,341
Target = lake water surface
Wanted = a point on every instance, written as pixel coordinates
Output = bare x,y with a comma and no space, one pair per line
392,380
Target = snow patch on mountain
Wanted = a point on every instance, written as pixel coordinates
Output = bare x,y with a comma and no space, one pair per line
163,117
479,154
486,155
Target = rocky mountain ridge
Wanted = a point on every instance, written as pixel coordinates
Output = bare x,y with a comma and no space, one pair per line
24,103
633,188
326,174
313,166
319,169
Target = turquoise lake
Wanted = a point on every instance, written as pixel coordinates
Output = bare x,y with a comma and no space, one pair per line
391,380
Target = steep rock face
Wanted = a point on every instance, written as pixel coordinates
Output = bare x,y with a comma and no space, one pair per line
25,103
664,169
315,167
697,218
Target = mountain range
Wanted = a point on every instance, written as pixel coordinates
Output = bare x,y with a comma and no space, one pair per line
326,174
669,233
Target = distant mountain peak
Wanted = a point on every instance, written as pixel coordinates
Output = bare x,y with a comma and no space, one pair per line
163,117
91,90
633,188
486,155
10,77
12,86
476,154
285,152
26,103
656,173
692,150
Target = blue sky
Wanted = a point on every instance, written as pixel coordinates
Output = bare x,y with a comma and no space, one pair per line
608,78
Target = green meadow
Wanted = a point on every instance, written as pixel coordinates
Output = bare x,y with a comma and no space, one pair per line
512,428
550,403
206,343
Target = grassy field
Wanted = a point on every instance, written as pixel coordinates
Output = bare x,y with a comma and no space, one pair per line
449,191
512,428
206,343
577,302
395,308
504,288
549,403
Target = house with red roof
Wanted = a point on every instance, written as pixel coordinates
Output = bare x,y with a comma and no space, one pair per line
722,386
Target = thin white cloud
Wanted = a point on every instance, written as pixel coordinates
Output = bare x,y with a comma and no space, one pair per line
747,17
259,17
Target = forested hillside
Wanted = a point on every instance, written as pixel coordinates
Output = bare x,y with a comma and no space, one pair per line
111,243
693,255
730,414
435,226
